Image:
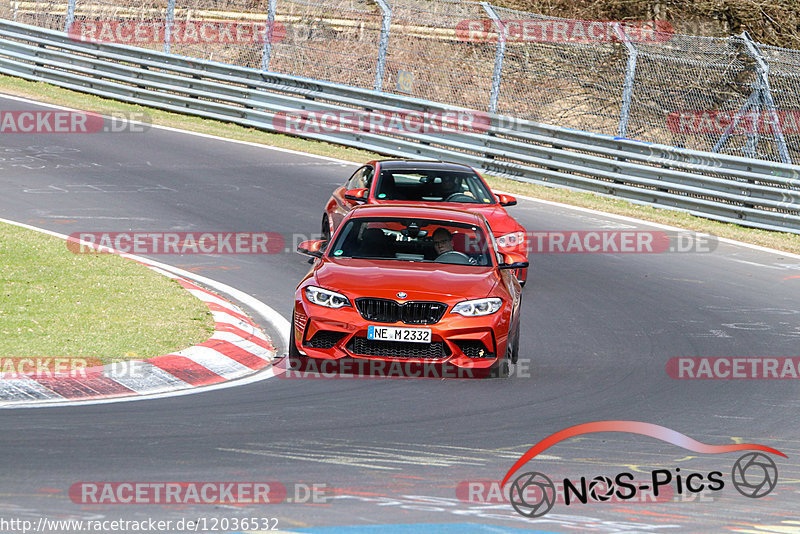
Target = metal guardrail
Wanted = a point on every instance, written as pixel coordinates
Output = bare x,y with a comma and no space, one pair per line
644,80
745,191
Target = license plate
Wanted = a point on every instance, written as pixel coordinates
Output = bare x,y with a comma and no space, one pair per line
392,333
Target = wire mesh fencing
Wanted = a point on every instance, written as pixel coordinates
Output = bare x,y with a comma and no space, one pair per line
427,59
104,20
234,30
557,80
49,14
784,84
639,80
330,40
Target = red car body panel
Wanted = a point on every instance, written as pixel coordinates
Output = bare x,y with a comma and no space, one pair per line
421,281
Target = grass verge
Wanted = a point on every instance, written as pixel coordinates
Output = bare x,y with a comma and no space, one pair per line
55,95
98,307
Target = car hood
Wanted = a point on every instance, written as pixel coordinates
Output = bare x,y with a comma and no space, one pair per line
501,222
420,281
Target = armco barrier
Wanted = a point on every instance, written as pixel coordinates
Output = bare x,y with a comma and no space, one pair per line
750,192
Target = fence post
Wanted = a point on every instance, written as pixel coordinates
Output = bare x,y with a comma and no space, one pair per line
168,25
70,14
266,53
751,147
630,74
766,96
751,101
386,13
499,54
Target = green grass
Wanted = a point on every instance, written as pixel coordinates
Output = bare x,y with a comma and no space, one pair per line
56,95
57,304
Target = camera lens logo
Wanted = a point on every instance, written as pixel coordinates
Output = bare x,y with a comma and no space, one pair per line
534,486
754,475
601,488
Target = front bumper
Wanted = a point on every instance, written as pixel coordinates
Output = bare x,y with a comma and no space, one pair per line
466,342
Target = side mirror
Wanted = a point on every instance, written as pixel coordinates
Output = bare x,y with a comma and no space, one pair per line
356,194
312,248
506,200
508,263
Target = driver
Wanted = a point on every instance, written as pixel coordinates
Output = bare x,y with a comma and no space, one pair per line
452,190
443,244
450,186
442,241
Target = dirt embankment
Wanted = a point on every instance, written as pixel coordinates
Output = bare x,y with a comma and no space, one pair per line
773,22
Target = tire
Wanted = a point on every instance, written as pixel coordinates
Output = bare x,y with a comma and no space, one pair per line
293,352
294,361
514,355
522,276
500,368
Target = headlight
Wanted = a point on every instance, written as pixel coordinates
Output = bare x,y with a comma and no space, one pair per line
474,308
511,240
324,297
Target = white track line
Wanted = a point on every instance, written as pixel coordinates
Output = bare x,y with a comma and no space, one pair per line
222,317
198,134
346,162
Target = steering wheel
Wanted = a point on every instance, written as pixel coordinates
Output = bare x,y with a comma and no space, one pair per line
459,197
453,256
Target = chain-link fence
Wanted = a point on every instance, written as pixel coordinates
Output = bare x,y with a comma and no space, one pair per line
572,84
43,13
426,59
330,40
87,13
635,80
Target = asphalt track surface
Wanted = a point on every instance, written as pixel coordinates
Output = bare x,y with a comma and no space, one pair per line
598,330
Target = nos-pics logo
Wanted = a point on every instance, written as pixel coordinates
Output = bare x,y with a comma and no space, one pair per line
533,494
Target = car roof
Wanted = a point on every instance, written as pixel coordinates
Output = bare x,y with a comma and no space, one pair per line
418,212
418,164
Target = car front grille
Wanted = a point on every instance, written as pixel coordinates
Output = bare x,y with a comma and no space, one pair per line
435,350
324,339
390,311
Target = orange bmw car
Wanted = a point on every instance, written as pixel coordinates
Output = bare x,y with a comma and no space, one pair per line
411,284
429,183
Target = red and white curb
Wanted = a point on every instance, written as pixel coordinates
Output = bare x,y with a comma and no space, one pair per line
238,349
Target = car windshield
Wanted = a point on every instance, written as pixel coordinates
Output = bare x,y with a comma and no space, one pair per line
415,240
433,186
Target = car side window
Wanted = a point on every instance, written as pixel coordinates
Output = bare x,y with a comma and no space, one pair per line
366,178
360,179
350,184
